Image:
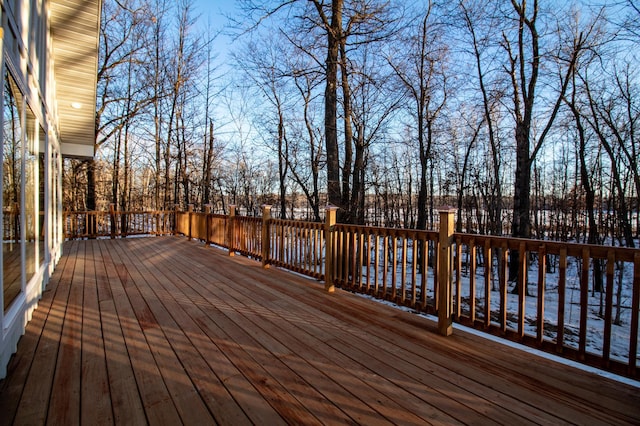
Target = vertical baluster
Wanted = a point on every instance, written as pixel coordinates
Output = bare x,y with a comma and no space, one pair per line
458,285
376,261
606,344
297,240
502,278
353,256
310,249
424,244
266,217
314,250
584,299
339,255
487,283
385,264
320,242
414,269
542,266
300,245
436,279
522,286
361,257
635,310
304,248
368,262
403,275
472,280
394,267
562,292
289,243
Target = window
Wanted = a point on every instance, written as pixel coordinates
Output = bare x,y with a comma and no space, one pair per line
12,159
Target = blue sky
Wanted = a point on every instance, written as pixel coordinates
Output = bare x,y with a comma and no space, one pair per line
213,13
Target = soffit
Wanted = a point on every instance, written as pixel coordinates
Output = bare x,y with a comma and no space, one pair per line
75,29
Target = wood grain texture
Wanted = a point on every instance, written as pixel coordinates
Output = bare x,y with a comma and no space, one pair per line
167,331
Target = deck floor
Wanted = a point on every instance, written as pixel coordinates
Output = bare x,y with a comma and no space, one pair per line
168,331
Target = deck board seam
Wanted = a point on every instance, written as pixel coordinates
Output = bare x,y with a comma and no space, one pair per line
242,331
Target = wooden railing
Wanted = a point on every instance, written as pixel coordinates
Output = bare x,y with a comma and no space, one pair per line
553,304
297,246
10,225
388,263
95,224
459,277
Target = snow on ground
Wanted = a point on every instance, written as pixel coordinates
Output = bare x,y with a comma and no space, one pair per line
620,331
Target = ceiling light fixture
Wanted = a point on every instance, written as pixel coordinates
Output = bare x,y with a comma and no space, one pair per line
76,105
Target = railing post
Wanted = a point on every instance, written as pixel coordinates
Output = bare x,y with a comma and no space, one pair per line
112,217
445,271
91,221
176,210
190,210
266,216
230,225
207,219
330,221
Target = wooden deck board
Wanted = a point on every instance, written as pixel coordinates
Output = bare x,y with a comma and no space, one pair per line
126,403
167,331
22,361
156,398
35,396
367,386
197,348
94,374
259,319
354,346
63,406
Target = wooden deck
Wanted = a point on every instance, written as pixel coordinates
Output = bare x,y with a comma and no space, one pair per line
167,331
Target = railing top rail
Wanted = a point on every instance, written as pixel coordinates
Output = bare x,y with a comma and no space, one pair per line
248,218
218,215
399,232
551,247
297,223
119,212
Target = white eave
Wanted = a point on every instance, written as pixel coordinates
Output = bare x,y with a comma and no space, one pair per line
75,30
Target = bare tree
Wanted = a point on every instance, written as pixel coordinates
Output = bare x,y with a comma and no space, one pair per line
155,74
121,31
210,150
422,73
524,67
618,151
585,180
307,145
480,46
262,63
332,24
336,23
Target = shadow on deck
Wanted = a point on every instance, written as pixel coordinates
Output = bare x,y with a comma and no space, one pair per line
167,331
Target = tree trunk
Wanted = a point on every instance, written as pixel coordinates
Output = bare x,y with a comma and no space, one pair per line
521,223
282,164
349,194
208,159
334,34
590,194
356,212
